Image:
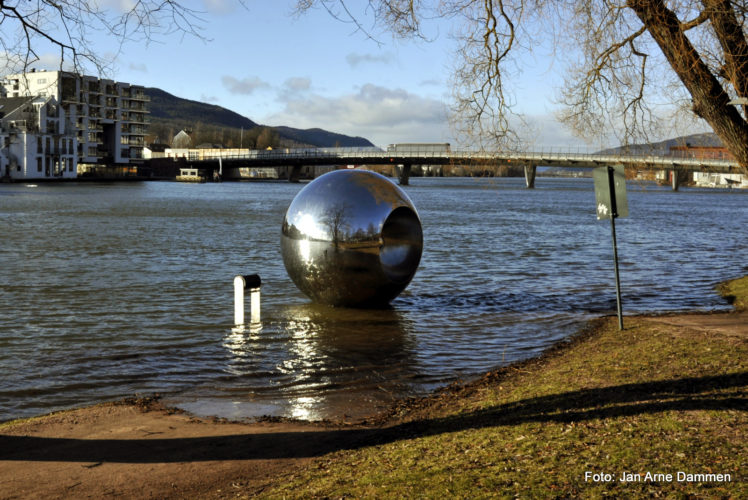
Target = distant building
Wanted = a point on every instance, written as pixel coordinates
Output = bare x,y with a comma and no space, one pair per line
109,118
182,140
702,152
712,179
37,140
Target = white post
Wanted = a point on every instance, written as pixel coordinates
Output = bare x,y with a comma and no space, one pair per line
254,305
252,283
239,300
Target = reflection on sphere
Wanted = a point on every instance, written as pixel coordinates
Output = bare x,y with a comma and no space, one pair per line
351,238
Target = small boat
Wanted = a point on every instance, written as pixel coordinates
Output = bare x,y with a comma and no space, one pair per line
191,175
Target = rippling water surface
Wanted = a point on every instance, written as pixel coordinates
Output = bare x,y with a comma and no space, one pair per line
110,290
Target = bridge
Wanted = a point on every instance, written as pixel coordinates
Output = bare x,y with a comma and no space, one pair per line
403,159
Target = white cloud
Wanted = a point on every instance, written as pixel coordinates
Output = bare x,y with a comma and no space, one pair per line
141,68
545,133
297,84
379,114
13,63
121,6
219,6
245,86
430,83
354,59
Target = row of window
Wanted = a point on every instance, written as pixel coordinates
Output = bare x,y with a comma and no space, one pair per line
59,164
65,145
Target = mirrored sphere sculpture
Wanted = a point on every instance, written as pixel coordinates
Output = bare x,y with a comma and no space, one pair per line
351,238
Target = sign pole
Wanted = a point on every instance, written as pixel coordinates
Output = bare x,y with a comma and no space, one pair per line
613,215
618,279
610,192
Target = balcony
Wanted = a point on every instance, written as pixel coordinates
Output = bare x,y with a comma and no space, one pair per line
135,106
139,95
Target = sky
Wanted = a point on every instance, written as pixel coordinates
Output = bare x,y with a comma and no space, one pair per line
307,71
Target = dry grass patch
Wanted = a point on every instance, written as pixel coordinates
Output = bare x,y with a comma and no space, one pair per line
654,398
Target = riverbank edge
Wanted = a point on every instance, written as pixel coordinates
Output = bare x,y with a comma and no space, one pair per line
424,423
734,291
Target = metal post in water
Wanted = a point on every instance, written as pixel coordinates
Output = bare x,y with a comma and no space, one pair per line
252,283
239,300
530,176
254,305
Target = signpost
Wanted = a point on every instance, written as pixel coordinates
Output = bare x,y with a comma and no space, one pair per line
610,196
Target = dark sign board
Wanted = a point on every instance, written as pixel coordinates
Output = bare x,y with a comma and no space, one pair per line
610,192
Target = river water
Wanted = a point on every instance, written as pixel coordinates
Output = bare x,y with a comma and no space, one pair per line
112,290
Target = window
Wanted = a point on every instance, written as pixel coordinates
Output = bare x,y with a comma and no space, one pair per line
38,164
41,81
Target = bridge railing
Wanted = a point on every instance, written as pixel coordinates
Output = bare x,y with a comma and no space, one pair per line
550,156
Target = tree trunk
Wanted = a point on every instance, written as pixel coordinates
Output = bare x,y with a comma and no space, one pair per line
710,101
734,46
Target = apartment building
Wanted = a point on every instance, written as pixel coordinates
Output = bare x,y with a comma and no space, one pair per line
110,117
37,140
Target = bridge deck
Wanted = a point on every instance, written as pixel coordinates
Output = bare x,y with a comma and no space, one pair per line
358,156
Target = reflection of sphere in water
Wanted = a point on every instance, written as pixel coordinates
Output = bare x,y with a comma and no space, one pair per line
351,238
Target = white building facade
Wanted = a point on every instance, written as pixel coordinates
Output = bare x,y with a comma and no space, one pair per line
110,118
710,179
37,140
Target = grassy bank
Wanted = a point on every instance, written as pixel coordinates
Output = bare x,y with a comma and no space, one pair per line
736,292
654,398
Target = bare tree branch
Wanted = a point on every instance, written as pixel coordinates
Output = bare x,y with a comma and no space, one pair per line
31,27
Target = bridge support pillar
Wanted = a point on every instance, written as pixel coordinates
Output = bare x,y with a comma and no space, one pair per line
530,176
294,174
674,179
405,175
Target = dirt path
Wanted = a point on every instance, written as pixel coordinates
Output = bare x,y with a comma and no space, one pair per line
139,449
733,324
136,450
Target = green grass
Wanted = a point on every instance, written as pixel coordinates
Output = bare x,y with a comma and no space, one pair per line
736,291
652,398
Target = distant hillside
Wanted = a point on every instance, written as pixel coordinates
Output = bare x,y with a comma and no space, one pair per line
663,147
169,114
165,107
323,138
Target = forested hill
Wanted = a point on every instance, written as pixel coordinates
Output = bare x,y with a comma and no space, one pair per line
169,114
320,137
165,106
663,147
